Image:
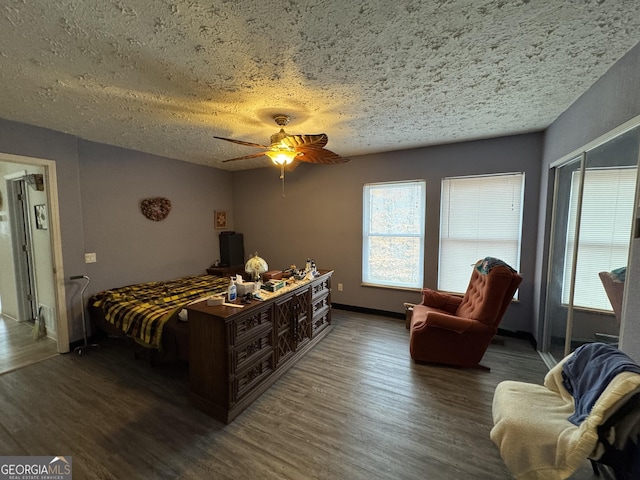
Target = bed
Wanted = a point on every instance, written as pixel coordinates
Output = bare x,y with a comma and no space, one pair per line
150,313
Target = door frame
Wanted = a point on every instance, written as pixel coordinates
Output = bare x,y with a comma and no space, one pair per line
581,153
51,189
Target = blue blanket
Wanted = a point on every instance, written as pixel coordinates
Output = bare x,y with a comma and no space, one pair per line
619,274
488,263
588,372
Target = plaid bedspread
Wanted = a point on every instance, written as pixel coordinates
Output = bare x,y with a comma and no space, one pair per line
142,310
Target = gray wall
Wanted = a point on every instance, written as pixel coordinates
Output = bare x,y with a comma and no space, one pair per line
99,192
611,101
321,214
26,140
129,247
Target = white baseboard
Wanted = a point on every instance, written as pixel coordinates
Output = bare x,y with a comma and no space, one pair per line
8,317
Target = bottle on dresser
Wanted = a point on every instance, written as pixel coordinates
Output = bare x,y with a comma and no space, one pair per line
232,291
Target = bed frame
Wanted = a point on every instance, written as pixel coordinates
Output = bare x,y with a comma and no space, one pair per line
175,339
140,311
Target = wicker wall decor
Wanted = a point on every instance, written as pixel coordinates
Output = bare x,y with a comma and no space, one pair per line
155,209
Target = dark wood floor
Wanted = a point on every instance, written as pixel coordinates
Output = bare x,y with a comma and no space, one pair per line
355,407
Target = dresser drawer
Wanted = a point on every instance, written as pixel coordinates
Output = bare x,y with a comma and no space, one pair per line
323,287
244,328
244,353
321,320
319,304
252,376
320,309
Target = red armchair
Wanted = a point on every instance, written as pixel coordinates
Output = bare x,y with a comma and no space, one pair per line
614,288
613,283
455,330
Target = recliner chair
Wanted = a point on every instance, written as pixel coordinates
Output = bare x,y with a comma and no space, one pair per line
546,432
455,330
613,284
614,288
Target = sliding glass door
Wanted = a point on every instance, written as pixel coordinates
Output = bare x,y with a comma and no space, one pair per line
593,212
557,313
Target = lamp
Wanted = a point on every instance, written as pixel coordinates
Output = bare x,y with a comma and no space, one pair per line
256,266
281,155
280,152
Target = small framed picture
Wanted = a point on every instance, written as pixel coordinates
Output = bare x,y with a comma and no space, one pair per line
221,219
41,217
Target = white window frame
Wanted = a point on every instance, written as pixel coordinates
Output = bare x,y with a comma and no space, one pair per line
384,277
465,230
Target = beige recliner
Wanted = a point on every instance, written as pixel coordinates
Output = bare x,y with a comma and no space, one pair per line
532,428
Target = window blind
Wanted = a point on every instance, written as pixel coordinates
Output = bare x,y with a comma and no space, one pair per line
605,232
480,217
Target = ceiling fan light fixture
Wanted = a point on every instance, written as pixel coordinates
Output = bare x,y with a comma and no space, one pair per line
285,148
281,155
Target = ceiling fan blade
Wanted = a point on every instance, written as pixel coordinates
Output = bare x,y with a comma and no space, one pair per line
240,142
311,154
253,155
319,140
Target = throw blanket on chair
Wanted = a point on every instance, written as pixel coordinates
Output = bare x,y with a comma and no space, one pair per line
532,430
588,372
488,263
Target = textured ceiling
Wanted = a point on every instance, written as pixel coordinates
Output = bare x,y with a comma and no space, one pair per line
164,76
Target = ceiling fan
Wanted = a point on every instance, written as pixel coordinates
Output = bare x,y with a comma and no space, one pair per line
285,149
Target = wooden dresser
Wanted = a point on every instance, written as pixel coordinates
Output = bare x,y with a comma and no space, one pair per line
235,354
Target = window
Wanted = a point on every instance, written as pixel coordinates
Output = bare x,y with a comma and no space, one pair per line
393,234
480,216
605,232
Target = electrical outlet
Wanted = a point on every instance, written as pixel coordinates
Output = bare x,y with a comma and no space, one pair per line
339,287
90,258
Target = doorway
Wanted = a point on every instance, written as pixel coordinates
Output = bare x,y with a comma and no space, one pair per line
31,274
592,223
18,203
